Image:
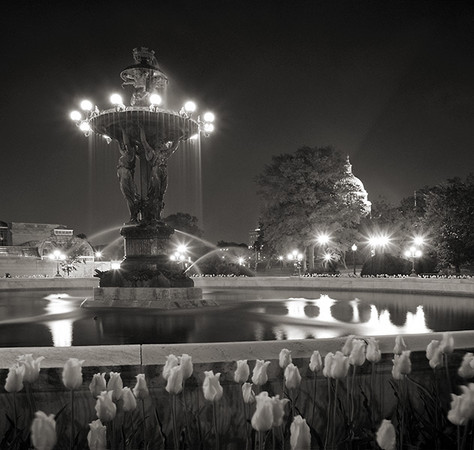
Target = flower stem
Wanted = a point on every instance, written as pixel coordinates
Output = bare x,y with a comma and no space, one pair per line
326,438
352,396
144,423
334,415
214,418
314,397
173,413
71,442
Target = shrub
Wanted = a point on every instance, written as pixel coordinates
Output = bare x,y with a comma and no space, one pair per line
386,264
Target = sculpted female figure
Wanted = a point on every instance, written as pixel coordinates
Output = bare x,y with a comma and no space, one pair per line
158,182
125,174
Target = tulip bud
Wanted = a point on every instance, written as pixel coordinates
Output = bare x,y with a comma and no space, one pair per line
247,393
357,356
401,365
340,366
374,354
431,348
105,407
97,436
300,435
404,362
262,419
211,387
447,344
141,389
98,384
284,358
292,376
32,367
241,374
466,369
174,384
386,438
454,414
434,354
259,376
328,362
171,361
347,347
14,381
72,373
186,363
43,431
129,401
466,407
315,363
115,385
278,409
399,345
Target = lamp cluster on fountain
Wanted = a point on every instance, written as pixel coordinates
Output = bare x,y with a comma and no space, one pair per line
90,111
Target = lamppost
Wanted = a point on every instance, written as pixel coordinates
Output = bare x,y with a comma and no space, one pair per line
296,257
354,249
180,256
57,256
413,253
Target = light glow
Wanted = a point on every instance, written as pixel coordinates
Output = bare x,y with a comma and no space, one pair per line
209,117
208,127
155,99
86,105
190,106
85,127
116,99
75,115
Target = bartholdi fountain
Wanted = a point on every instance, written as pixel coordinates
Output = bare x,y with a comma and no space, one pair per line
147,135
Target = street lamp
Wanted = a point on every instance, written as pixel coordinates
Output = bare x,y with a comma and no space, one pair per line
180,256
413,253
296,257
57,256
354,249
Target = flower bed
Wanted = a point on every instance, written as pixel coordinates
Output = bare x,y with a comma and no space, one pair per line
345,402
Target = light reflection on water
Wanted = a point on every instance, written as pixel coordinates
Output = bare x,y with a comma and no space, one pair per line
35,319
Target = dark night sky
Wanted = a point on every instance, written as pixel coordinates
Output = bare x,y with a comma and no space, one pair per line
391,83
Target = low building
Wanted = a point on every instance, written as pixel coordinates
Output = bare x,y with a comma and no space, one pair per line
38,249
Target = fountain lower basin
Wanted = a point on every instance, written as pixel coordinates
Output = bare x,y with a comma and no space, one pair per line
145,297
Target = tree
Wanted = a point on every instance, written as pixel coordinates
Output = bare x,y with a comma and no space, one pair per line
301,195
449,217
184,222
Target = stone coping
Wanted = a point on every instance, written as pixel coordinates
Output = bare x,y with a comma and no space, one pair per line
7,284
155,354
436,286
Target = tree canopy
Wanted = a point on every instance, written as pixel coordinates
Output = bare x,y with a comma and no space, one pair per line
449,219
302,196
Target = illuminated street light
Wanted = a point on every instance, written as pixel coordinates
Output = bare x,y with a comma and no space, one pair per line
323,239
57,256
180,256
413,253
296,257
98,255
354,249
418,241
115,265
378,241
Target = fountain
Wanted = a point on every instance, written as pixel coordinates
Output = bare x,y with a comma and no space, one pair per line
147,135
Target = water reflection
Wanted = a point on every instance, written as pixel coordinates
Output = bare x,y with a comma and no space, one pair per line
31,318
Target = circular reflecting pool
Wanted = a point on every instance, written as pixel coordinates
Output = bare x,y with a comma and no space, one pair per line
39,318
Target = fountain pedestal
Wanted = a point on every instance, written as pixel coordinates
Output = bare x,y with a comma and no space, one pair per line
146,278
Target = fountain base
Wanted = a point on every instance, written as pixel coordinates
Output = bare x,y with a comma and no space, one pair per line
147,298
146,278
